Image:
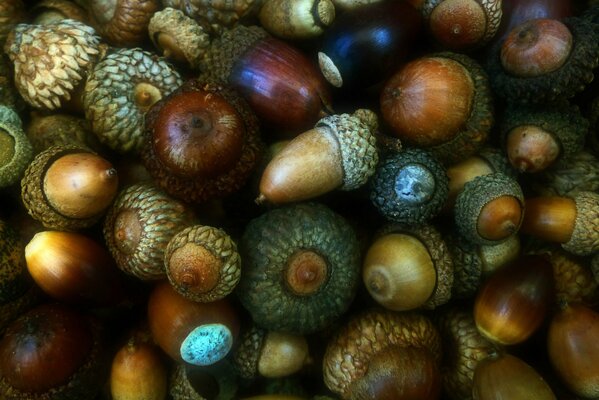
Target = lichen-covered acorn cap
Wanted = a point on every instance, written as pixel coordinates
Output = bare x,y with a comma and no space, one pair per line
301,268
202,263
467,266
51,60
557,85
16,151
13,270
585,236
409,187
178,37
348,354
190,382
464,347
119,92
567,177
439,253
138,227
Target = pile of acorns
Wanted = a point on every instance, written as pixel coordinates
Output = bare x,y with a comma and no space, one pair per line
299,199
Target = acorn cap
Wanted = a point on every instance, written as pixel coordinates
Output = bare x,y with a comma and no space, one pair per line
555,86
9,116
409,187
357,143
60,129
190,382
51,60
349,352
574,280
138,227
467,266
119,91
16,151
567,177
247,353
585,236
439,253
296,19
189,38
301,268
498,161
477,194
14,279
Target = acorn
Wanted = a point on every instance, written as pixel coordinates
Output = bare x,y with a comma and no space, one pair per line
408,267
384,355
15,148
122,23
464,348
202,263
570,220
51,352
352,54
74,268
579,173
12,12
196,333
572,348
409,187
138,372
504,376
119,92
269,354
178,37
339,152
138,227
68,187
51,11
201,142
462,24
191,382
301,268
544,60
574,280
447,87
537,137
279,82
292,19
44,131
51,60
513,302
489,209
14,281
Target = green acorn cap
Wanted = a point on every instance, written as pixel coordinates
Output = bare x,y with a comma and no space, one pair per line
476,194
13,269
120,90
217,381
138,227
467,265
301,268
409,187
15,149
585,236
555,86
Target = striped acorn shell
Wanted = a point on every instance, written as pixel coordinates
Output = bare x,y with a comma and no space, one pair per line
16,151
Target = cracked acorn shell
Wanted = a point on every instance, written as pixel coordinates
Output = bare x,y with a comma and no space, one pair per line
138,227
119,92
51,60
293,19
16,151
381,354
579,173
178,37
530,45
301,268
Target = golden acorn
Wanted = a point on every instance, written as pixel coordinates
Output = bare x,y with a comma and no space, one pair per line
51,60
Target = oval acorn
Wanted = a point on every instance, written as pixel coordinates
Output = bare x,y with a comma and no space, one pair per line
293,19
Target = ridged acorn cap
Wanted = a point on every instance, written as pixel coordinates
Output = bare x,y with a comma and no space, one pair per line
467,266
13,269
119,91
355,134
585,236
51,60
476,195
562,83
301,268
178,36
247,352
138,227
185,378
464,347
349,352
16,151
409,187
567,177
574,280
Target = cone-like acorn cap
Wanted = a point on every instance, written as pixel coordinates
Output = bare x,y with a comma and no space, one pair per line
497,160
190,382
13,269
119,92
585,236
15,149
138,227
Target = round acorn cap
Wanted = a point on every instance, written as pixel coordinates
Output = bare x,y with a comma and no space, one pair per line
585,237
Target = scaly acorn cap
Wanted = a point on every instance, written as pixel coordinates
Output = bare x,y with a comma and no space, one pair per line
185,382
467,266
301,268
14,280
119,91
476,195
16,151
348,353
247,352
464,348
202,263
138,227
585,236
567,177
409,187
178,36
574,280
439,252
51,60
555,86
